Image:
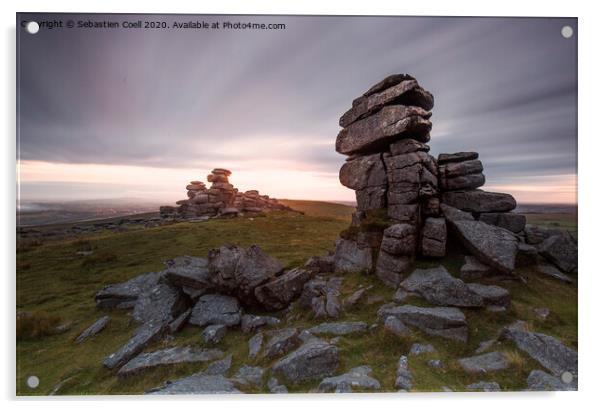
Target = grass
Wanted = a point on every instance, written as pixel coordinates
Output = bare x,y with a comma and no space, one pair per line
54,281
564,221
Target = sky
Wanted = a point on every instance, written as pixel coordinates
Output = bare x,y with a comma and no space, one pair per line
114,113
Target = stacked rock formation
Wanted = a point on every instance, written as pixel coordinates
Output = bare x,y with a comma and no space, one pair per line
408,202
221,199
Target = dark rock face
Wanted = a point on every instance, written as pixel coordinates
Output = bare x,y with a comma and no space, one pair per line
390,268
216,309
545,349
279,292
560,250
93,329
491,294
191,272
543,381
350,257
480,201
313,360
170,356
434,237
160,304
456,157
446,322
281,342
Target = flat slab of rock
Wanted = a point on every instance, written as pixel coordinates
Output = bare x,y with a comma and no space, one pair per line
485,363
124,295
492,295
358,377
480,201
281,342
279,292
438,287
143,336
249,376
537,234
377,131
250,322
446,322
492,245
543,381
197,384
189,272
216,309
456,157
313,360
396,327
363,171
545,349
391,268
339,328
93,329
560,250
434,237
170,356
473,268
214,333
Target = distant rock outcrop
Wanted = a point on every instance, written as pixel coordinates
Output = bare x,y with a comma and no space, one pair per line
221,199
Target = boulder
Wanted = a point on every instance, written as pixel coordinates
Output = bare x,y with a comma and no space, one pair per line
275,387
438,287
391,123
545,349
403,381
281,342
537,234
255,343
492,245
369,198
161,304
166,357
390,268
214,333
357,377
479,201
509,221
143,336
332,304
560,250
399,239
313,360
455,169
250,323
216,309
222,263
406,92
396,327
339,328
446,322
191,272
124,295
363,172
456,157
179,322
492,295
253,269
485,363
279,292
321,265
249,376
93,329
349,257
434,237
419,349
197,384
542,381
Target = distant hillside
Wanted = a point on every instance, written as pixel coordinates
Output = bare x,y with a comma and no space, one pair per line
320,209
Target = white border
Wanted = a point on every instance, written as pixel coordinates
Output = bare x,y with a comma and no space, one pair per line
590,149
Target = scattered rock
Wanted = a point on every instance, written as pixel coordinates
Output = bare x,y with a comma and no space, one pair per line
249,376
492,295
485,363
216,309
214,333
357,377
400,295
545,349
485,345
446,322
189,272
339,328
250,323
199,383
349,257
404,376
474,269
170,356
124,295
551,271
354,298
281,342
419,349
484,387
537,234
543,381
142,337
275,387
435,363
93,329
479,201
560,250
255,344
278,293
313,360
179,323
397,327
220,367
509,221
160,304
542,313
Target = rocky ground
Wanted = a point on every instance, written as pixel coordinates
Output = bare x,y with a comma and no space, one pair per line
440,330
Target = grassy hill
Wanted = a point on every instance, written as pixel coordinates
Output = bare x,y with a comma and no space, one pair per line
57,285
